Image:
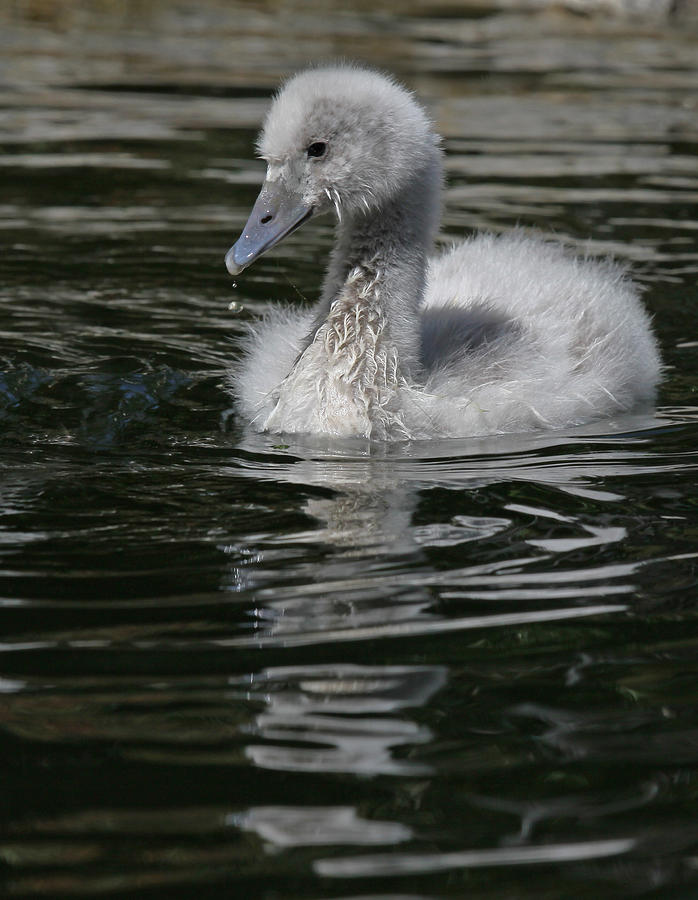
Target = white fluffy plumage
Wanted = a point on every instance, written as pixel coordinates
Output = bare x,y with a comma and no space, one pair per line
497,334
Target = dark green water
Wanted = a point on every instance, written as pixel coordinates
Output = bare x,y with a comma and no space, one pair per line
234,666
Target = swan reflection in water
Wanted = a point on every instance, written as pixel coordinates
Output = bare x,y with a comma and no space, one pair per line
362,568
348,718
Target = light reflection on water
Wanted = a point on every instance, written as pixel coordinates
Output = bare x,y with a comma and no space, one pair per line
327,669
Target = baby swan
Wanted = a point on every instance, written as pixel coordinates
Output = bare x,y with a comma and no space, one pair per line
498,334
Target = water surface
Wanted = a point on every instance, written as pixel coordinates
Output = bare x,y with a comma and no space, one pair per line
238,664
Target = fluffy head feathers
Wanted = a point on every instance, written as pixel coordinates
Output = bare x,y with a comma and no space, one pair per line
377,137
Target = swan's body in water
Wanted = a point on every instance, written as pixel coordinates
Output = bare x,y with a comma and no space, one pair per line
497,334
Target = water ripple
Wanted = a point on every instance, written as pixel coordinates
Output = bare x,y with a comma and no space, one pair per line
303,668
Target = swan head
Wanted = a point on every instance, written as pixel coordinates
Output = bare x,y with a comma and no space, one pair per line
341,139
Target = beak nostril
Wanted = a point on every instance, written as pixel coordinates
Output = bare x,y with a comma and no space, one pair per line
266,219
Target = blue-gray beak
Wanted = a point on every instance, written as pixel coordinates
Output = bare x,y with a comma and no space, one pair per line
276,213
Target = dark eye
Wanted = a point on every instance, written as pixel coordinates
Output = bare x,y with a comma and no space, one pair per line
316,149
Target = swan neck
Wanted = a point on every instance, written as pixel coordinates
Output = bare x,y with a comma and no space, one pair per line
390,245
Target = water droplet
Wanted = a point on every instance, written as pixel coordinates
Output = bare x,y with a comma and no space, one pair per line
234,306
